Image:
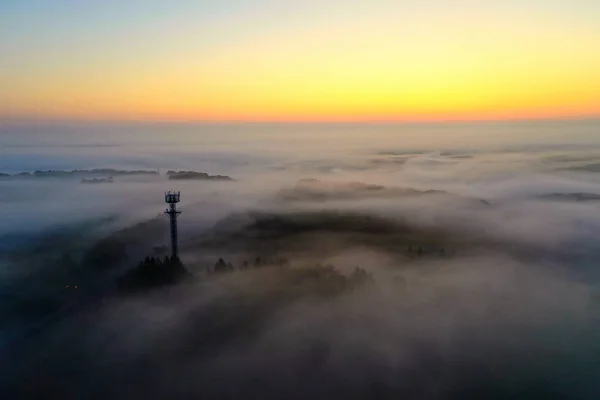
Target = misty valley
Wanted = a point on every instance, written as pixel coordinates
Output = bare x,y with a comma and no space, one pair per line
363,273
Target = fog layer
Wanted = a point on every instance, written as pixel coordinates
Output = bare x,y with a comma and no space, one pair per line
358,262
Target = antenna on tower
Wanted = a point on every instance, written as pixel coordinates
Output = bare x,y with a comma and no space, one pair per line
172,198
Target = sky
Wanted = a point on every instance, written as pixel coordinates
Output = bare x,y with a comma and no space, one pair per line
327,60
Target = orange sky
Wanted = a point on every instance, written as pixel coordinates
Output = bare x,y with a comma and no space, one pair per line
353,60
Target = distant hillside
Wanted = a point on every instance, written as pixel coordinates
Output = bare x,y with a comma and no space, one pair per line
322,232
580,196
316,190
103,175
81,173
97,180
199,176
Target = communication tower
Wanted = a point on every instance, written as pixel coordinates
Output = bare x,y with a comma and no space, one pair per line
172,198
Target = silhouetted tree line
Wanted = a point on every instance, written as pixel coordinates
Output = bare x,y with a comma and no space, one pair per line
326,281
321,280
318,280
154,272
222,266
421,251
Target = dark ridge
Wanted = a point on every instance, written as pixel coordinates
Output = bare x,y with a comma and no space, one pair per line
221,266
324,233
570,158
103,175
399,160
82,173
101,171
400,153
460,156
593,167
316,191
98,180
580,196
193,175
153,273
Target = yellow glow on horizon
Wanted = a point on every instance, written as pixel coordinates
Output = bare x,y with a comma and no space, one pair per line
372,70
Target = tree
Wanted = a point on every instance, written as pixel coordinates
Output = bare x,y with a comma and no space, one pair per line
153,272
220,266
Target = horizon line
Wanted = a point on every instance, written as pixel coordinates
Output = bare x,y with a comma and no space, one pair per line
40,120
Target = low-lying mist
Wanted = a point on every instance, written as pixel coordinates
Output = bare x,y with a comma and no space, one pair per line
362,273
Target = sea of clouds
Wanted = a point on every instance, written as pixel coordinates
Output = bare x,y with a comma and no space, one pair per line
513,313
